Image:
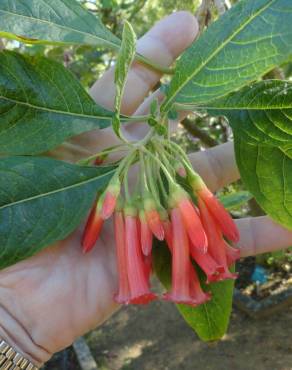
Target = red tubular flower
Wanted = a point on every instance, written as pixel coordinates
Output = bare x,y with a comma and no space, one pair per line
146,234
193,225
110,200
191,220
206,262
181,266
92,229
217,245
196,291
123,295
153,219
223,219
139,286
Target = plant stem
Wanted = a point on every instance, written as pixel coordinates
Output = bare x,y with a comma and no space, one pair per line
123,170
162,187
150,178
164,169
195,131
142,172
106,151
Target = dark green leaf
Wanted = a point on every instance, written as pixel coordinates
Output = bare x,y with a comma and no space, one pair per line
124,61
263,144
53,22
209,320
42,104
41,201
262,95
266,172
247,41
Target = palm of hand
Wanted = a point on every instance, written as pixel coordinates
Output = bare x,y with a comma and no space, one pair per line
60,293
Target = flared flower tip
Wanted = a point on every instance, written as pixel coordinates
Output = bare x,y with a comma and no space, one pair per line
144,298
196,291
181,265
223,219
210,267
92,230
179,299
195,297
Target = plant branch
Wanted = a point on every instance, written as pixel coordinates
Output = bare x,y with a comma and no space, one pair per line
194,130
203,14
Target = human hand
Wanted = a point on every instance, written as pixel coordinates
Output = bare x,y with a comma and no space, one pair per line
50,299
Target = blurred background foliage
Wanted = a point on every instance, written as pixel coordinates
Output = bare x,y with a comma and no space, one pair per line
87,63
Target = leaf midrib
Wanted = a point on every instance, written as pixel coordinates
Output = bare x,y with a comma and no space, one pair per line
192,107
217,51
60,26
49,110
75,185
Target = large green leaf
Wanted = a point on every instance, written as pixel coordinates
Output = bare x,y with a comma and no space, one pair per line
53,22
263,143
42,104
209,320
41,201
247,41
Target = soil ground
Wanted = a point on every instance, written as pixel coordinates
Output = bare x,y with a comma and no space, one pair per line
156,338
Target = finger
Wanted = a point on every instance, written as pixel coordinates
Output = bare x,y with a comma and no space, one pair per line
261,235
162,44
217,166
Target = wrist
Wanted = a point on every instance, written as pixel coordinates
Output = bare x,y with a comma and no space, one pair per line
19,338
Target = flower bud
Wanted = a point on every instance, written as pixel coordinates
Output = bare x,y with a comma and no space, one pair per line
111,194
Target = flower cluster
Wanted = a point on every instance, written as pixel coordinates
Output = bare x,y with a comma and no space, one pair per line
193,223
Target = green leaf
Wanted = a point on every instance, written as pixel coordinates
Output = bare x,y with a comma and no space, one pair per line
41,201
262,95
53,22
263,144
266,172
209,320
124,61
246,42
235,200
42,104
